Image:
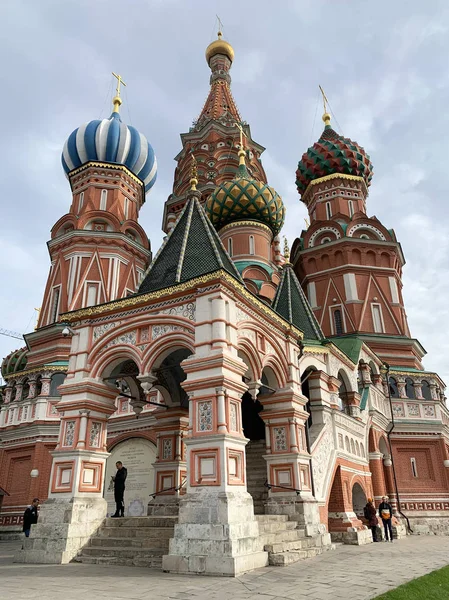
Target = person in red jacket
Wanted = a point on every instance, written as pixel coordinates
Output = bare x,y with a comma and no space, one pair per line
371,516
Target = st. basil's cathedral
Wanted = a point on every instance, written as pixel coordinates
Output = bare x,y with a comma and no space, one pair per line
257,394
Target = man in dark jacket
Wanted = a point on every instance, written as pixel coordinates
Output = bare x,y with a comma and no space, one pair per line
119,489
30,516
386,513
370,515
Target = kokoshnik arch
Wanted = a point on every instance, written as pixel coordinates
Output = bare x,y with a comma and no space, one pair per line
259,376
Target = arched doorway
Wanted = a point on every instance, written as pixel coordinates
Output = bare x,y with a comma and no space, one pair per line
138,456
358,500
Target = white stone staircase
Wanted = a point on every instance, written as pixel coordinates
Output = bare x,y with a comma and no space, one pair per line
130,541
256,474
286,544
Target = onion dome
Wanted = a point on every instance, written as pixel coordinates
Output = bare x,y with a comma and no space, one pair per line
219,46
111,141
245,198
333,154
15,362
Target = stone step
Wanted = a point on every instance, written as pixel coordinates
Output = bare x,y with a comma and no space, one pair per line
154,562
281,537
278,527
268,518
136,532
139,543
281,559
290,546
122,552
141,522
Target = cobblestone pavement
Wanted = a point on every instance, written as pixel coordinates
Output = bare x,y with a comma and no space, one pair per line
355,572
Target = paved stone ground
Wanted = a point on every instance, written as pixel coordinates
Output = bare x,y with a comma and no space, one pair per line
356,572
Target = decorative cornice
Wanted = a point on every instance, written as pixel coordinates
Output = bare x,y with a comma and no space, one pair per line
246,223
314,182
182,287
36,370
102,165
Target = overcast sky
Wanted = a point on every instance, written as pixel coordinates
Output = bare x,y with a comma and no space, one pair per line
383,65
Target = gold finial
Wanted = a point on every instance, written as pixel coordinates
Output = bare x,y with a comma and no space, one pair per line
242,153
286,250
38,310
326,117
116,100
193,174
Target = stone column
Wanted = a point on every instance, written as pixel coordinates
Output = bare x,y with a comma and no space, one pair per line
377,474
217,533
32,381
389,482
401,387
418,390
75,507
170,468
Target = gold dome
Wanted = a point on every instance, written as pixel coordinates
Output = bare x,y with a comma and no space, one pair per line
220,46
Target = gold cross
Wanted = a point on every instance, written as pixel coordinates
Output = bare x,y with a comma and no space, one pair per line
220,27
326,116
119,82
242,133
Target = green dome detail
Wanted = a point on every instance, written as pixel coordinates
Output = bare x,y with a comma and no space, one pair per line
333,154
244,198
15,362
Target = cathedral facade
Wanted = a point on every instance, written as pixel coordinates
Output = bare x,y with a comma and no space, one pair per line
242,383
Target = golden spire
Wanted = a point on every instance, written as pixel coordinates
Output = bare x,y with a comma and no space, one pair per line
242,153
326,117
116,100
193,174
286,250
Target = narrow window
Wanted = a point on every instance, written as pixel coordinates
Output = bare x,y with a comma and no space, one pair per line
104,199
351,208
91,294
377,318
328,210
80,201
230,246
126,207
414,468
338,322
55,305
251,244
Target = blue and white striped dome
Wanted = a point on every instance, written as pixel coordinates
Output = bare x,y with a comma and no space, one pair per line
111,141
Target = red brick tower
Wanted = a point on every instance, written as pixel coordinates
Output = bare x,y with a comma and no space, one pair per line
98,250
213,138
350,264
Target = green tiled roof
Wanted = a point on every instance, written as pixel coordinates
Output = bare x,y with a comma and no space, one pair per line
291,303
192,249
350,345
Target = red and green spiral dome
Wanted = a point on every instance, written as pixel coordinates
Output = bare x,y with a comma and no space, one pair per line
330,155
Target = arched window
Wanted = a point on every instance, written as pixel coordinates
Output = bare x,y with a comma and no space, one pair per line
305,388
338,323
425,388
25,389
325,240
230,250
38,385
104,199
328,210
393,387
126,207
80,201
342,392
409,389
56,380
251,244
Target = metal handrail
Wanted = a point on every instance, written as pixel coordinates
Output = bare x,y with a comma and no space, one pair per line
282,487
176,488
